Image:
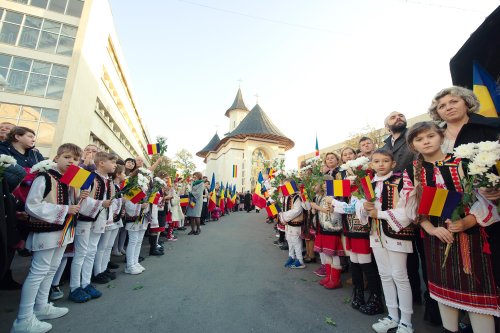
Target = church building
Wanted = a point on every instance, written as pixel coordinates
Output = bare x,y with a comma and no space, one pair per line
252,139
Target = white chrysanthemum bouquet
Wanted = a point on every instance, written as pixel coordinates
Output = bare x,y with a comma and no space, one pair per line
43,166
5,162
483,157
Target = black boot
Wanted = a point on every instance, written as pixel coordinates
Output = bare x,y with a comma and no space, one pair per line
358,293
431,312
448,331
155,251
374,305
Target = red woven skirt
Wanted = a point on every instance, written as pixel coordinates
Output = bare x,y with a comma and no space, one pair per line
331,245
358,245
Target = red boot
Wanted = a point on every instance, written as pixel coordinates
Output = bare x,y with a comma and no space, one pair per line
327,277
335,281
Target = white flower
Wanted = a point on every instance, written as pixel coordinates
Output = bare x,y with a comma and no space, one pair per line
476,169
160,181
344,167
465,151
351,178
145,172
492,146
493,179
486,158
43,166
7,160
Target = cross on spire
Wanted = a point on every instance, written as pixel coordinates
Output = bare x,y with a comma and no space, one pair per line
257,98
239,83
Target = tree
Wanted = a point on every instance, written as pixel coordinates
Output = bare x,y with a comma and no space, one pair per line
183,162
377,136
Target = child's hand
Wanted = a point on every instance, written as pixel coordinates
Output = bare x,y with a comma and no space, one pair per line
455,226
106,203
373,213
443,234
73,209
84,194
368,206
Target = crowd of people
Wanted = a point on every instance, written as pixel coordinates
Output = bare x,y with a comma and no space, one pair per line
389,245
385,245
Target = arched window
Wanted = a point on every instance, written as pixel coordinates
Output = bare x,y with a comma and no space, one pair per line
258,157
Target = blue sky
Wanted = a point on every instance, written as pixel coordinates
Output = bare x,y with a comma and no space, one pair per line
324,66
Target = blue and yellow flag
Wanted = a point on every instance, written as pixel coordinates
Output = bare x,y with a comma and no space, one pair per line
486,90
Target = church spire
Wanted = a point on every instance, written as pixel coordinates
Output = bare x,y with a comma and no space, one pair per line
238,103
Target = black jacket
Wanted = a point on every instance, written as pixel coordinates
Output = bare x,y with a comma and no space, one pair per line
402,153
479,128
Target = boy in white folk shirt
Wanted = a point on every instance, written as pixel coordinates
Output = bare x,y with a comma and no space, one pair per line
90,228
49,204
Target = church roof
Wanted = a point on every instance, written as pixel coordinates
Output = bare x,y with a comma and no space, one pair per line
257,124
211,146
238,103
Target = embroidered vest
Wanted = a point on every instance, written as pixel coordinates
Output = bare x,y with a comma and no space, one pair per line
334,220
299,220
390,198
97,192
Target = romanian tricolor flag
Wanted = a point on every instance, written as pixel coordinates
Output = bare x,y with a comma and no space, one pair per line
184,200
212,201
154,148
270,173
135,195
366,184
317,147
192,201
154,198
221,200
303,194
273,210
338,188
486,90
257,197
289,188
235,171
438,202
77,177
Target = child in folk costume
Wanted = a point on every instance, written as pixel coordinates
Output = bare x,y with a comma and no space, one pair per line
328,241
466,281
357,243
51,205
90,228
292,217
102,274
176,214
391,241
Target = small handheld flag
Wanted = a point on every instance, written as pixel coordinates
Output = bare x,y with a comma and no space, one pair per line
338,188
261,178
289,188
154,148
135,195
184,200
273,210
77,177
154,198
303,194
270,173
438,202
235,171
366,184
317,147
192,201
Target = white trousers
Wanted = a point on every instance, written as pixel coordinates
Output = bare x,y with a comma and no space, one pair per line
292,235
60,271
358,258
83,261
36,287
395,283
103,253
134,247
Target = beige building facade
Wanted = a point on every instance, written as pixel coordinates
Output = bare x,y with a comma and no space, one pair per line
67,77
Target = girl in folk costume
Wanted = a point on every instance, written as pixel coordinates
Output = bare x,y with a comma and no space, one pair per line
136,226
51,206
292,217
176,214
391,240
102,274
357,242
327,242
90,228
465,280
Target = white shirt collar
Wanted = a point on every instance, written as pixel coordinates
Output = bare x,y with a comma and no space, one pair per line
380,179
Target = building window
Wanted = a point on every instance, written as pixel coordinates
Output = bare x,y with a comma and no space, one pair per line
33,77
68,7
36,33
41,120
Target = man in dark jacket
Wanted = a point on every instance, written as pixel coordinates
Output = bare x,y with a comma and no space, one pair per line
396,124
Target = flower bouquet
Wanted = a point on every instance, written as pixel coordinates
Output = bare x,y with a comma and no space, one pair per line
5,162
360,174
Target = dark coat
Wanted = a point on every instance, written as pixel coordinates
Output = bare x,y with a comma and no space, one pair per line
401,151
8,231
479,128
26,160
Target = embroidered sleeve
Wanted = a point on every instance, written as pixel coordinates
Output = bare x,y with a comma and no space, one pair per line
344,207
485,211
407,198
90,207
42,210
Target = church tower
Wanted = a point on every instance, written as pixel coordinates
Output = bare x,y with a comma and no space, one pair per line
236,112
